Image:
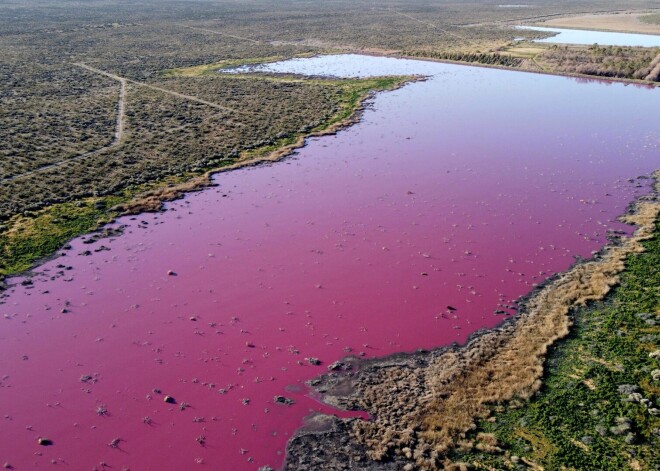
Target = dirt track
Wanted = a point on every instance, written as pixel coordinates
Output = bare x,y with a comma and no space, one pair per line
119,131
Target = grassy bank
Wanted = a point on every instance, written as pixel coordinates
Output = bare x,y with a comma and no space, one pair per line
209,69
28,238
598,408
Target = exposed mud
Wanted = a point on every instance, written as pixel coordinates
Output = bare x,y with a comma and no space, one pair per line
423,404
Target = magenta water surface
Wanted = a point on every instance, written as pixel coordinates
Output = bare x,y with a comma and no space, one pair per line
465,190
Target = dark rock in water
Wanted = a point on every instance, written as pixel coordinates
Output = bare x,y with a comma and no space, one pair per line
169,400
44,442
283,400
313,361
339,366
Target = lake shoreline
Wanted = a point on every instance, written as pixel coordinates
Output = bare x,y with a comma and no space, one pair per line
593,78
408,176
342,441
153,200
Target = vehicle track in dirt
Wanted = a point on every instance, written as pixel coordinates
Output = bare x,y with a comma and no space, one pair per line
121,118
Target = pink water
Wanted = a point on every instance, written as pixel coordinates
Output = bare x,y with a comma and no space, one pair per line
461,191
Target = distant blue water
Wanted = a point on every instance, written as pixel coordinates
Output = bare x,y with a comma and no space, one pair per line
578,36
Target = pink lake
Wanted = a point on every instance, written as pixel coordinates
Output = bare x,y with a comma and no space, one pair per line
465,190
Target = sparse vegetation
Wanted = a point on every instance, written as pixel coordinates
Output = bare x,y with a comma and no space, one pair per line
169,134
598,408
37,233
604,61
481,58
622,21
61,70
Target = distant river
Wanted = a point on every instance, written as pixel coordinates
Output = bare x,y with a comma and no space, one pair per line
465,190
602,38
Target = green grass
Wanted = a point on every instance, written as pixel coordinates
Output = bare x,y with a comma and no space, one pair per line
27,239
569,424
354,91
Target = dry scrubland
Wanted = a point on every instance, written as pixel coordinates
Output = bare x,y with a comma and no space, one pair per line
94,107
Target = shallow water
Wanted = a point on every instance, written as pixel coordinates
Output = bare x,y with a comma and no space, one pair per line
465,190
602,38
